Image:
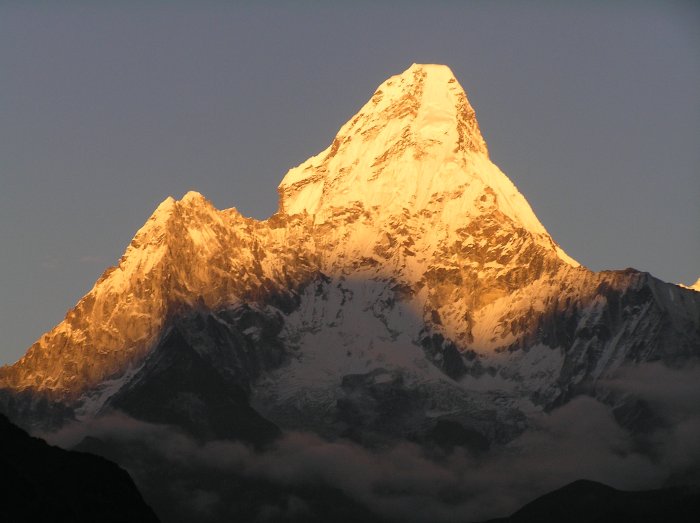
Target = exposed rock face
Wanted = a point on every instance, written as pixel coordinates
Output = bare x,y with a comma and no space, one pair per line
187,255
44,483
403,281
180,386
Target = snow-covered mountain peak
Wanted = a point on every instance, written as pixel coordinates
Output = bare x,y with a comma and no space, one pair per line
194,198
164,210
172,215
404,273
415,137
439,105
414,149
405,194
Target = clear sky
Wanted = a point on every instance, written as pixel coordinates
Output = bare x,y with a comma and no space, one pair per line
591,108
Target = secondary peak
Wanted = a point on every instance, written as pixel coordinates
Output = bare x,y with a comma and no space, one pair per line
192,196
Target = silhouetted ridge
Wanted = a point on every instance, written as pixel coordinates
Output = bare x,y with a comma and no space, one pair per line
585,501
45,483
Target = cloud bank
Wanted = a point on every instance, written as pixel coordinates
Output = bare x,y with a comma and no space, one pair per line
582,439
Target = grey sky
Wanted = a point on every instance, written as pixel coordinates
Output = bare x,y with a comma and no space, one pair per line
591,109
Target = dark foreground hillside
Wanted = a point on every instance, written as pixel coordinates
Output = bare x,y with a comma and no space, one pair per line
39,482
590,502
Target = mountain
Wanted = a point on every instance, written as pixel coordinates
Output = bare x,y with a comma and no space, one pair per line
400,253
404,290
44,483
586,501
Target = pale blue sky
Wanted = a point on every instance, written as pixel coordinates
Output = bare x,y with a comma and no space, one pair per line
591,109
